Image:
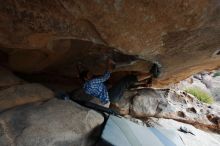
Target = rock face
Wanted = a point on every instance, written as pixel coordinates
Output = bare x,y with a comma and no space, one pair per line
53,38
183,36
171,105
23,94
7,79
215,89
15,92
53,123
205,81
148,103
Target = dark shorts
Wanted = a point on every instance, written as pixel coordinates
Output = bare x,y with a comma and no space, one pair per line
116,92
79,94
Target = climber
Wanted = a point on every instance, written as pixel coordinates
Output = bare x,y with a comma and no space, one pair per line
96,87
116,92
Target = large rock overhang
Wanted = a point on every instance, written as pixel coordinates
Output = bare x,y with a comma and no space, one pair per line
183,36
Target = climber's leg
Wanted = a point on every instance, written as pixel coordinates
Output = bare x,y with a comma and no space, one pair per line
116,92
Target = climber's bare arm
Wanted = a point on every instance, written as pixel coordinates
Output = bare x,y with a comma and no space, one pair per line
110,65
143,77
153,73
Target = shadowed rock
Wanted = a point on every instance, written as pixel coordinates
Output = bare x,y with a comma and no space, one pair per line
56,123
23,94
183,36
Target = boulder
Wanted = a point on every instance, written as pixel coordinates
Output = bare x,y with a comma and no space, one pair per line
123,105
205,81
52,123
171,104
8,79
194,82
23,94
147,102
215,88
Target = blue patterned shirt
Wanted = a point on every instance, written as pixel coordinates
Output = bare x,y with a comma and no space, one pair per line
96,87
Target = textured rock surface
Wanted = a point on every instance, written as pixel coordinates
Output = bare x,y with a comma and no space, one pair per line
23,94
53,123
7,79
200,138
172,105
148,103
215,89
205,81
184,36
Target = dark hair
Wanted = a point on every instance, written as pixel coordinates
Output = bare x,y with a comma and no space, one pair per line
83,75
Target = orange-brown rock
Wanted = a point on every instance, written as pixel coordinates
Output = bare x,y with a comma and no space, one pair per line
183,36
23,94
8,79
